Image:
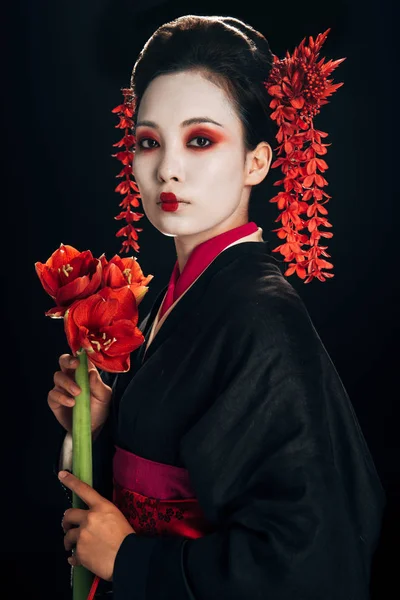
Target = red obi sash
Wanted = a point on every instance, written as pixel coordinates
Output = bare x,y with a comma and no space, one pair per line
155,498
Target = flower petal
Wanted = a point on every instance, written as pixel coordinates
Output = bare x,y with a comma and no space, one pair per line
48,278
127,338
62,256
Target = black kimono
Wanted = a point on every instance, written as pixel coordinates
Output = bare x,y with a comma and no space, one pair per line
237,388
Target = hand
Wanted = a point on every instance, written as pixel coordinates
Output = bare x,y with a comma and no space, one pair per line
61,397
100,532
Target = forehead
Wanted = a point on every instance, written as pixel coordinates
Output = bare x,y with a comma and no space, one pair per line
172,98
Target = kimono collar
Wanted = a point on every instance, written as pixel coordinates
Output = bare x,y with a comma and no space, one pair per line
199,259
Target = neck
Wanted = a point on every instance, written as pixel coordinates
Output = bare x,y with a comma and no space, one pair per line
185,244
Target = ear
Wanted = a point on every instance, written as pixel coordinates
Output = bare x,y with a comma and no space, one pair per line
259,162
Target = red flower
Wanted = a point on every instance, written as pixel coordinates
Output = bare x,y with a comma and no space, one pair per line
105,326
69,275
299,85
119,272
128,186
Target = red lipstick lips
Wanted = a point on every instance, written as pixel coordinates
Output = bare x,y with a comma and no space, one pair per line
168,197
169,202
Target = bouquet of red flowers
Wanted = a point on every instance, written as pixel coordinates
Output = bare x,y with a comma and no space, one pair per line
98,300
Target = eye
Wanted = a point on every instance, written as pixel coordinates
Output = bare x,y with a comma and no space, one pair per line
197,137
146,140
201,137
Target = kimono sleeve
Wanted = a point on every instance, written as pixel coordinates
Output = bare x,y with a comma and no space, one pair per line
261,463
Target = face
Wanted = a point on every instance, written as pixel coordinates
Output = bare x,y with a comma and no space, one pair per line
202,163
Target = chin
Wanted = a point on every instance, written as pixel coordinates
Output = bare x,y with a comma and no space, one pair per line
172,228
172,231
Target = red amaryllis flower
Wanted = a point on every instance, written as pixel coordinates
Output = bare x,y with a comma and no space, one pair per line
69,275
100,323
119,272
299,85
105,326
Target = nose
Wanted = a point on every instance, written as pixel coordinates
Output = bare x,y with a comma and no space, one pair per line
170,167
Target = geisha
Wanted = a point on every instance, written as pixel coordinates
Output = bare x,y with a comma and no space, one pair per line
230,449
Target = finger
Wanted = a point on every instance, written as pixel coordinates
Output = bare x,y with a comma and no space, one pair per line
73,561
81,489
71,538
97,387
73,517
62,380
91,366
68,363
57,399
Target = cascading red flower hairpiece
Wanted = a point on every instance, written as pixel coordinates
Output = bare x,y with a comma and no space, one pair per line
299,86
128,186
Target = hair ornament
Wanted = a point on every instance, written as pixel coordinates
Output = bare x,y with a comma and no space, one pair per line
128,186
299,86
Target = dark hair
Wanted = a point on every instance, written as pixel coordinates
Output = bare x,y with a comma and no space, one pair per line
228,52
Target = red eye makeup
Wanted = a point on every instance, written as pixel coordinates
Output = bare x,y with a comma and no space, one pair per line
212,136
145,135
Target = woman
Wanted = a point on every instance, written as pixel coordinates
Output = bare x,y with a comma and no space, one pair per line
231,447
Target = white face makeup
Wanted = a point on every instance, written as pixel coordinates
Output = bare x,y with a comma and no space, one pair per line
201,163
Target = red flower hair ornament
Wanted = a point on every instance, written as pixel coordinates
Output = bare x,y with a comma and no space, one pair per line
299,86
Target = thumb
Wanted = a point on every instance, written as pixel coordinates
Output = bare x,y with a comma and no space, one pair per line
97,386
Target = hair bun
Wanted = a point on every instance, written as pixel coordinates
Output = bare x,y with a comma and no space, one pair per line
262,51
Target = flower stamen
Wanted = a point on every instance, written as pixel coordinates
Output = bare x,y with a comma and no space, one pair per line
102,345
66,269
97,343
128,274
109,342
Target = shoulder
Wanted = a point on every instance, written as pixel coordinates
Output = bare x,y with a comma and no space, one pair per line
255,293
261,315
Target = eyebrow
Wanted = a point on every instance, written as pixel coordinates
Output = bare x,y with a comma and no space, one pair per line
192,121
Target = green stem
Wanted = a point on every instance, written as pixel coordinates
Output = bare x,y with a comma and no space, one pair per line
82,461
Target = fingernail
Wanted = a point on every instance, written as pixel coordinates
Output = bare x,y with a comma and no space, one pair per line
62,474
75,389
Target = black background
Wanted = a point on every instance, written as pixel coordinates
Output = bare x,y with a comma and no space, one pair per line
63,67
